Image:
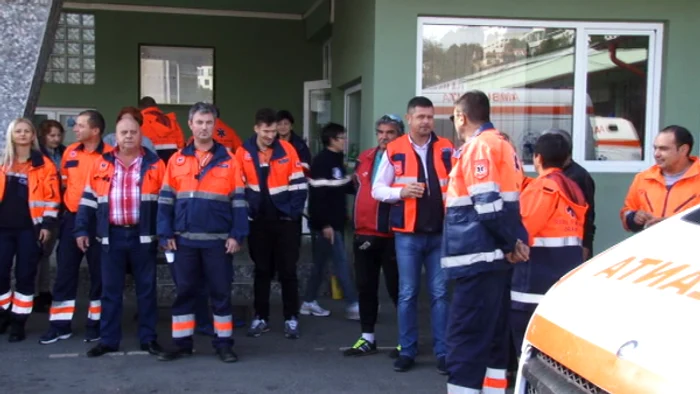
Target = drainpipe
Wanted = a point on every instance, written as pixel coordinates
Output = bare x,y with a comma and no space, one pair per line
612,48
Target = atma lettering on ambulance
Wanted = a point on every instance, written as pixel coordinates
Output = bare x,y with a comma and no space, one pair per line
626,321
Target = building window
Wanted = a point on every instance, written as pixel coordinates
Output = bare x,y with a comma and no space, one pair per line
73,57
177,75
599,81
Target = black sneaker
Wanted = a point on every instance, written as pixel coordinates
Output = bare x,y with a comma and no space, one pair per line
53,335
395,352
441,366
227,355
403,364
291,328
362,347
17,333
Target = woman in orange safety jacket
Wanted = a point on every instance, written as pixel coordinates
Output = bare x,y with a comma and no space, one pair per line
29,202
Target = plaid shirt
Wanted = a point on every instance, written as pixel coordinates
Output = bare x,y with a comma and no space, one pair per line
125,193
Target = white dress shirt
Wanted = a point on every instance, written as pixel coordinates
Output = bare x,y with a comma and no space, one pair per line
381,187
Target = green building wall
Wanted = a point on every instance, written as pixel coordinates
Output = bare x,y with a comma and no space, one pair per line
395,65
258,63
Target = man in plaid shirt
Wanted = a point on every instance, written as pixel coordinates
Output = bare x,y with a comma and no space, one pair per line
121,196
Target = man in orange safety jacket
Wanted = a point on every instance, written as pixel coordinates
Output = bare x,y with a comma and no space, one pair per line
162,129
668,187
483,233
553,209
202,218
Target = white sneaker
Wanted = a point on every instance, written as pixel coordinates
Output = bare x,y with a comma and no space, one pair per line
312,308
352,312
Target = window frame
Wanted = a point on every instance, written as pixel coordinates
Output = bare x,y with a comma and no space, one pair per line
583,29
173,46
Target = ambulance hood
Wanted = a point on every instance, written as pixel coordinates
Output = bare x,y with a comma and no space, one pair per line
628,320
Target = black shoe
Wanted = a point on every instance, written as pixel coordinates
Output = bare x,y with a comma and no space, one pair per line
17,333
170,356
101,350
362,347
4,321
394,353
152,348
227,355
403,364
441,366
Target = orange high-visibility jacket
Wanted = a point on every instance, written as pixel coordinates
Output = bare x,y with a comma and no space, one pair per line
406,170
202,205
482,219
649,193
94,206
554,212
75,166
163,130
44,193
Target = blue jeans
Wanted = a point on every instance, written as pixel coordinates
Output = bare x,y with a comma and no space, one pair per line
341,268
413,251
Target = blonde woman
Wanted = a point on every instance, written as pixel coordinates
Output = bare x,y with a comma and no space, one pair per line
29,202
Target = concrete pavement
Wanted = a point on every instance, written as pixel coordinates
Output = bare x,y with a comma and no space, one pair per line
269,364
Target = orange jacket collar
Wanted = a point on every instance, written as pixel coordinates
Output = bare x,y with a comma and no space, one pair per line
655,171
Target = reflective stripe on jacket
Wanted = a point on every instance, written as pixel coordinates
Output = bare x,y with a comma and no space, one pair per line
75,166
44,192
554,209
649,193
202,206
406,170
94,206
371,217
482,220
286,181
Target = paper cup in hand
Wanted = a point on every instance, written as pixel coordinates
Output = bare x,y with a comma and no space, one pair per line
170,256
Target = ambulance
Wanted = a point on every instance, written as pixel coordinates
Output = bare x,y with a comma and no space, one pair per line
626,321
524,113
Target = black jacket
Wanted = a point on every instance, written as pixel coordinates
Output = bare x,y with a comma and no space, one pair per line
328,187
583,179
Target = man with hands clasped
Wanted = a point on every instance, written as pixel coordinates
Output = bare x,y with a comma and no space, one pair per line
202,216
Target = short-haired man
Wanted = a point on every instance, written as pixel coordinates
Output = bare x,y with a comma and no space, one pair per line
202,218
77,162
585,182
275,188
668,187
121,196
412,176
373,247
483,233
329,184
285,131
553,209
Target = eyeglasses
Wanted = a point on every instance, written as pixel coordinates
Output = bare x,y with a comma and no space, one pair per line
452,118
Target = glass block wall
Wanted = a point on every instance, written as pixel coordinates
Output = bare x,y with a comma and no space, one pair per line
73,58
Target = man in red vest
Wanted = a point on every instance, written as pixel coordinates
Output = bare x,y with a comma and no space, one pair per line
374,242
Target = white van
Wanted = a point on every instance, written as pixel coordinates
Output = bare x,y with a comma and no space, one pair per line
524,113
626,321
